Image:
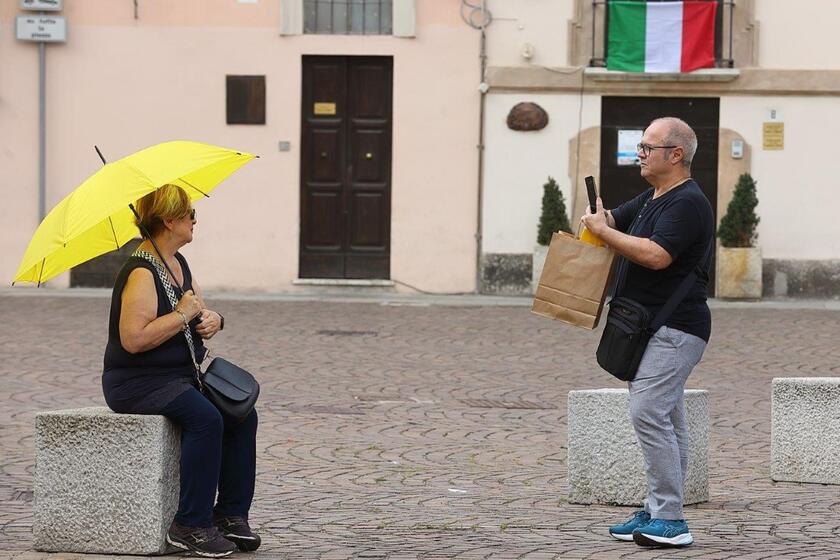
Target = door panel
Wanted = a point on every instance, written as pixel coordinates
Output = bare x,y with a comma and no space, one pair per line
346,167
368,150
325,156
369,99
326,211
620,183
367,233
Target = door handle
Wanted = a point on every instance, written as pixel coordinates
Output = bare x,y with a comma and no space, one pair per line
323,154
369,155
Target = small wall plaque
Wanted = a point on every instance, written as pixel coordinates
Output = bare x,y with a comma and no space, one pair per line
774,136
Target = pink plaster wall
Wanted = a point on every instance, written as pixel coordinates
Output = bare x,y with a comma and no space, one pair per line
124,84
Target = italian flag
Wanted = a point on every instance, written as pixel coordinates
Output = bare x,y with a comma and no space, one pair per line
661,36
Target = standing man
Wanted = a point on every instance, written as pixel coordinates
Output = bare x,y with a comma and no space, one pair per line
663,234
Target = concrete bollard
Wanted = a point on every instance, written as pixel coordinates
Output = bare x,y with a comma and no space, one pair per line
104,482
805,429
605,462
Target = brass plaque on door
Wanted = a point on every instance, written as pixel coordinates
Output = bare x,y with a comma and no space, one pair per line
322,108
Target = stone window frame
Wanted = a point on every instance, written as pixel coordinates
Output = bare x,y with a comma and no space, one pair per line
403,18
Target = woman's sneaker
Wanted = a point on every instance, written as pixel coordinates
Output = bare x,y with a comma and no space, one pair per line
663,532
237,530
202,541
624,531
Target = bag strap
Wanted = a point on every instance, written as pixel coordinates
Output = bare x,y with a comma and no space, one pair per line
173,300
682,290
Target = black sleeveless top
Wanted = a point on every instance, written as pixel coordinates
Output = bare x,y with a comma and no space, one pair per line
145,382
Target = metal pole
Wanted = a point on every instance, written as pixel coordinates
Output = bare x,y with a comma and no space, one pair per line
592,60
42,131
479,233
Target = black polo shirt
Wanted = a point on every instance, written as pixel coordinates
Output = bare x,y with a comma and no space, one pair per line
681,222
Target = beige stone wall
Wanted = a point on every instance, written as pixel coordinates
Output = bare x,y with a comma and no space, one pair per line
539,23
583,162
126,83
729,169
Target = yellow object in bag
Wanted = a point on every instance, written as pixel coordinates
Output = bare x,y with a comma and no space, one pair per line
588,237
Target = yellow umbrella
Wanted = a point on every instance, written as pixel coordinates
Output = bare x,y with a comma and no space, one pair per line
95,218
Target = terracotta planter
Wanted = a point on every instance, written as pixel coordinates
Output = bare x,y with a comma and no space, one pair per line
738,273
538,260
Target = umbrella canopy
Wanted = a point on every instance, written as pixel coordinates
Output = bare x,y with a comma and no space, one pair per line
95,218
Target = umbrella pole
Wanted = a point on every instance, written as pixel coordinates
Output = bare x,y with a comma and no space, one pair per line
95,147
145,232
148,236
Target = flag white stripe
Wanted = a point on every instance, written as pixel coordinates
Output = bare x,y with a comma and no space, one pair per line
663,36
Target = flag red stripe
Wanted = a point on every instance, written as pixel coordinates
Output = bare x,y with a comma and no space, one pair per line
698,35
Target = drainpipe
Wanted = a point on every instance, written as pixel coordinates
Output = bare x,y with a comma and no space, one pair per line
42,131
483,92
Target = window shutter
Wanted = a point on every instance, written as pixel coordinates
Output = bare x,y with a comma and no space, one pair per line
404,18
246,99
291,17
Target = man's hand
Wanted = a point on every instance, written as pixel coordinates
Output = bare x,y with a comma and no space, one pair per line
597,222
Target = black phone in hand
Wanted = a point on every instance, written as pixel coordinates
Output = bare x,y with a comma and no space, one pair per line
590,192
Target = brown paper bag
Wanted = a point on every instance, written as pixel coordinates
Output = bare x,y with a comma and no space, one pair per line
574,281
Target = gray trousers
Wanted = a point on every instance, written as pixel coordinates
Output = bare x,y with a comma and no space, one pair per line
657,410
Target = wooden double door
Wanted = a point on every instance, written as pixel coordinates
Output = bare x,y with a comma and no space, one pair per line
622,116
345,178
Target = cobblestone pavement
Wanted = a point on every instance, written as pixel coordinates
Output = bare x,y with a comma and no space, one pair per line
410,431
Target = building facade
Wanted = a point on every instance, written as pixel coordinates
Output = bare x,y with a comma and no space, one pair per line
775,64
386,158
365,117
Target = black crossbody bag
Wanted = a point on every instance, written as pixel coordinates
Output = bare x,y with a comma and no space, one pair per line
629,325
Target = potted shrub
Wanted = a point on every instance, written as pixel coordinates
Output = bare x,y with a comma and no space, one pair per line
553,218
738,257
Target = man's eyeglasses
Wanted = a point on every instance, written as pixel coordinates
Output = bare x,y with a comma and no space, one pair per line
192,214
646,148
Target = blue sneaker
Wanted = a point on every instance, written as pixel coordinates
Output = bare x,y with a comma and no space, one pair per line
624,531
663,532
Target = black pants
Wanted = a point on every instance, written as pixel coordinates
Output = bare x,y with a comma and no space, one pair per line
214,454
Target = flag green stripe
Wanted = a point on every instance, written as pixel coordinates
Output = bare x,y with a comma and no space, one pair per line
626,41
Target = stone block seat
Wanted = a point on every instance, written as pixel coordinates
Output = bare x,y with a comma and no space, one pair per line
605,461
104,482
805,429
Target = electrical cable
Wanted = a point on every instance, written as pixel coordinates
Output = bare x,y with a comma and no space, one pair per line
426,292
479,10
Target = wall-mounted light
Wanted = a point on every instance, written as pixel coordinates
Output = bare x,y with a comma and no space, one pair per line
527,51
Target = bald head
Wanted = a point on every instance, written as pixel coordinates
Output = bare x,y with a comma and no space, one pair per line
680,134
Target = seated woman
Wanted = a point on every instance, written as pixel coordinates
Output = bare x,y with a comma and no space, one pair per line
149,370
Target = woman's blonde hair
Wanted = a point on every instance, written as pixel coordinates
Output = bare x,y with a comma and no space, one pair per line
169,202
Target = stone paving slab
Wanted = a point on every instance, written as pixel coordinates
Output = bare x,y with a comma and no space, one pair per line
415,431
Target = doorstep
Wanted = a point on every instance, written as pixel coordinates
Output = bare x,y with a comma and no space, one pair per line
350,282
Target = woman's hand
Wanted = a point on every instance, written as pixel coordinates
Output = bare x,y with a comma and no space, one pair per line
211,323
189,305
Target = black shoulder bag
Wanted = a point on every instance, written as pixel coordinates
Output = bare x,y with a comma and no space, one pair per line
629,326
230,388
